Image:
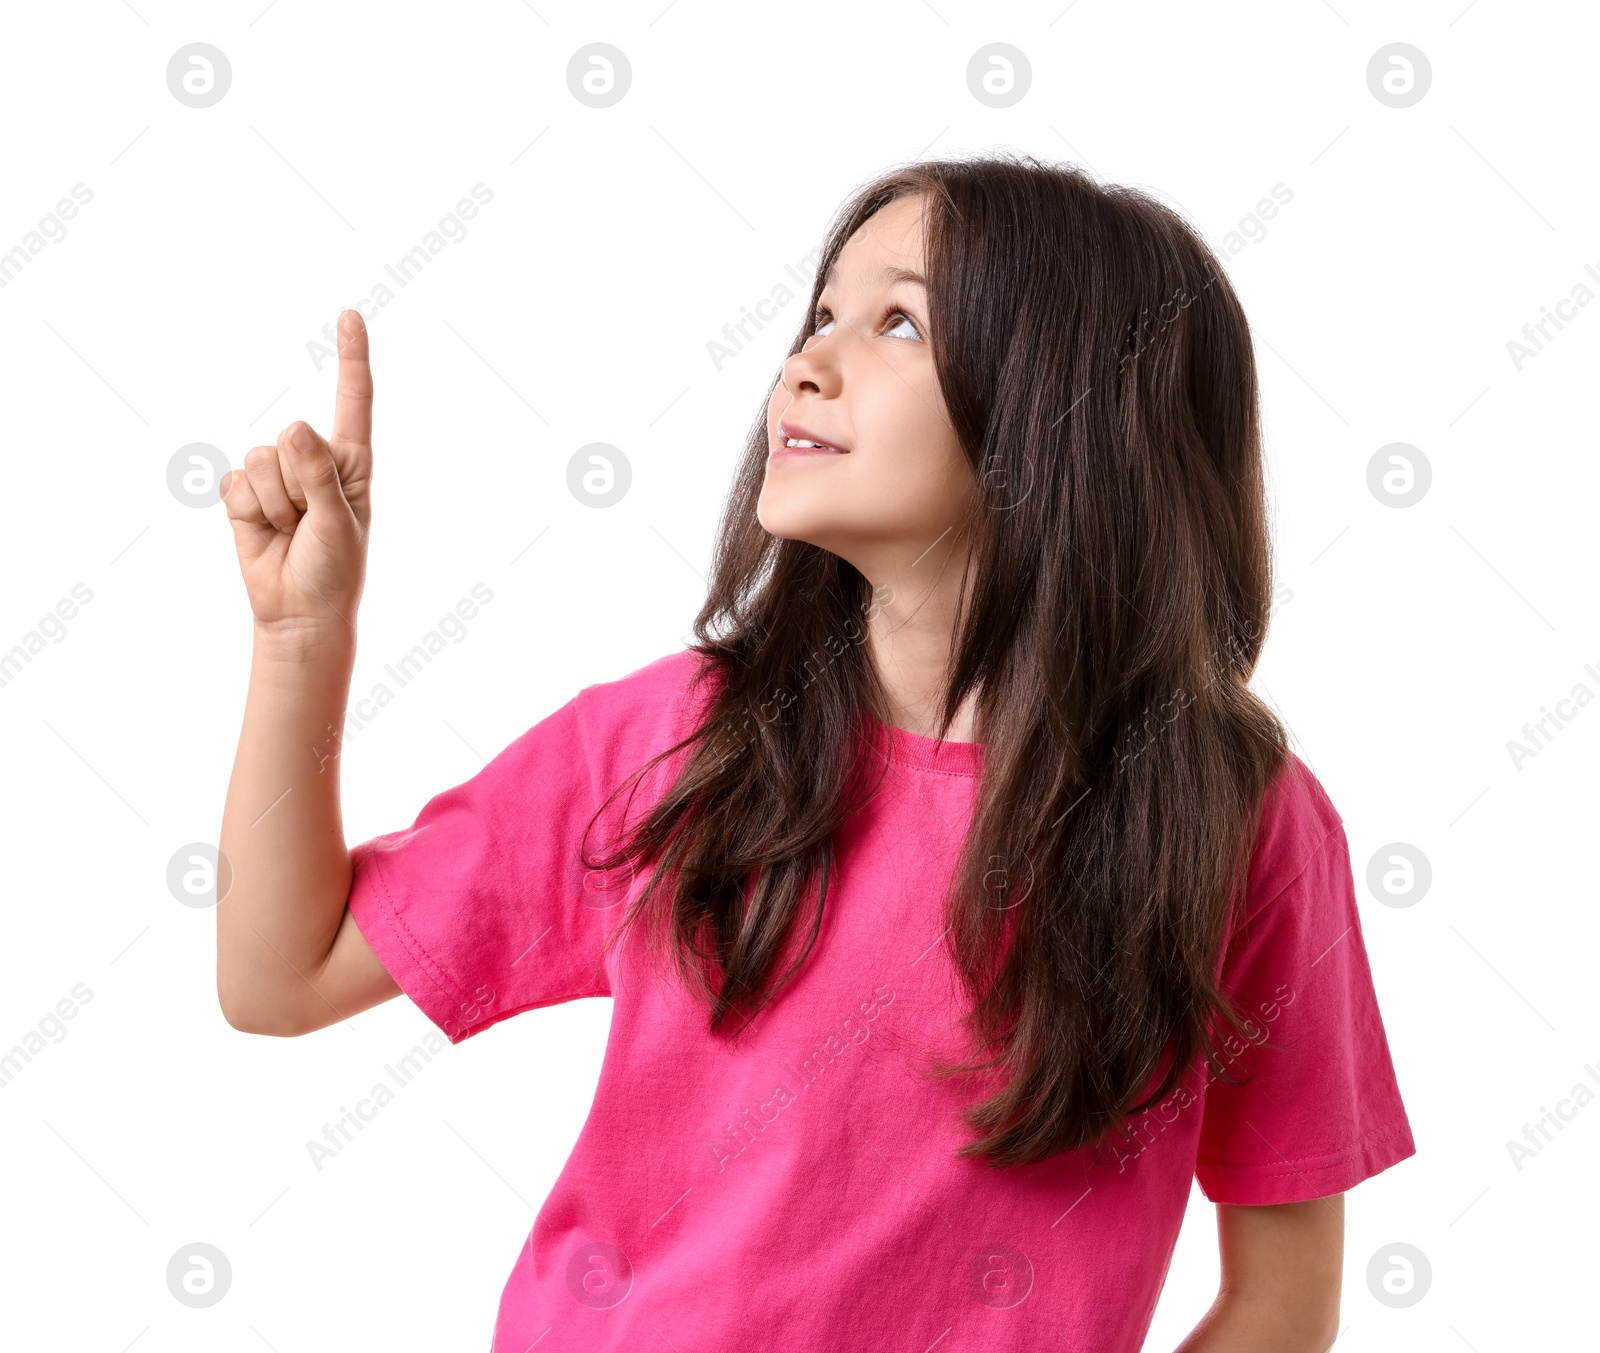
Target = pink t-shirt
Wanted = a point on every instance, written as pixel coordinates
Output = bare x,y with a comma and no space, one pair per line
797,1188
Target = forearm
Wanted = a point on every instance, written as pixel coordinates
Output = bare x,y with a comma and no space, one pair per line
1282,1265
282,832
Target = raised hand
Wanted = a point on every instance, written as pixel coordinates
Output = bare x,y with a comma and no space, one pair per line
300,510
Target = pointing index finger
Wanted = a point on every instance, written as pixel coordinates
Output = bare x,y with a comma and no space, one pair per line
352,409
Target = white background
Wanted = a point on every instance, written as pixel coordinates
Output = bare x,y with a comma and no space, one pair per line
1411,646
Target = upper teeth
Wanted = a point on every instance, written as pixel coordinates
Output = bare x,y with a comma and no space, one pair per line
801,441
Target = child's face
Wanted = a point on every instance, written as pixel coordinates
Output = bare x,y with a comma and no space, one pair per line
897,478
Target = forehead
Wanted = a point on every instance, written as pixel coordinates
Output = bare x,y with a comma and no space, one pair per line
884,249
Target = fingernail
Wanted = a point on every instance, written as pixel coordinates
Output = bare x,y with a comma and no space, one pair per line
301,438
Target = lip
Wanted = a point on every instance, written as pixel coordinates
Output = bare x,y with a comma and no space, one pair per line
787,430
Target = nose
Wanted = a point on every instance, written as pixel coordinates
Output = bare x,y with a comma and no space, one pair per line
814,369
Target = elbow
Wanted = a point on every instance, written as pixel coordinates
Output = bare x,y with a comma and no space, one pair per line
254,1017
1330,1324
1316,1327
1314,1313
1300,1321
1310,1321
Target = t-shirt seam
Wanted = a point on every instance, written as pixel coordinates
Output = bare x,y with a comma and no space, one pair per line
1279,1168
1299,873
427,964
439,976
579,720
948,774
596,790
910,763
588,758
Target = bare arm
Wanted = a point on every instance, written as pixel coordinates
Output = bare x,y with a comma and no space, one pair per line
289,957
1281,1270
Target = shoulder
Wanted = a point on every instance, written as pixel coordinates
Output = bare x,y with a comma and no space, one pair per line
625,722
665,693
1298,826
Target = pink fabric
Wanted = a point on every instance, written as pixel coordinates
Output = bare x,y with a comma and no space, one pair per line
797,1188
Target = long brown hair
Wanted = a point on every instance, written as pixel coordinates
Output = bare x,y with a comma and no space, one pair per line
1097,369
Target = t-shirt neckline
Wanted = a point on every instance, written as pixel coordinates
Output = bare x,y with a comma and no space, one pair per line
924,753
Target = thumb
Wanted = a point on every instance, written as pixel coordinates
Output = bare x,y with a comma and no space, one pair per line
313,466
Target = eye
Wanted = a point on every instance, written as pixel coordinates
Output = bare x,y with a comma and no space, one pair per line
904,327
905,322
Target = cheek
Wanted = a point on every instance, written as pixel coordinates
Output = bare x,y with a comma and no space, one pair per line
907,408
913,446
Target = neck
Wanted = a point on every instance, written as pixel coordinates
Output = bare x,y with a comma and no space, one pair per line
911,632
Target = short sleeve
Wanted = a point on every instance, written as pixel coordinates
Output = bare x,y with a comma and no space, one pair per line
482,908
1318,1109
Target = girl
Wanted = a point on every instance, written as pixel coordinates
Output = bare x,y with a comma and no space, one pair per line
959,901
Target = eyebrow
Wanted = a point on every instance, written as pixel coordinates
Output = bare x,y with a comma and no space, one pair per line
885,275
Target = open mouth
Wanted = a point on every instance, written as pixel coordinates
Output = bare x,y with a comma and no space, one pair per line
803,441
800,444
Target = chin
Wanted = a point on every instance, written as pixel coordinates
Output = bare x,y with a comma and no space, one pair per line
787,525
